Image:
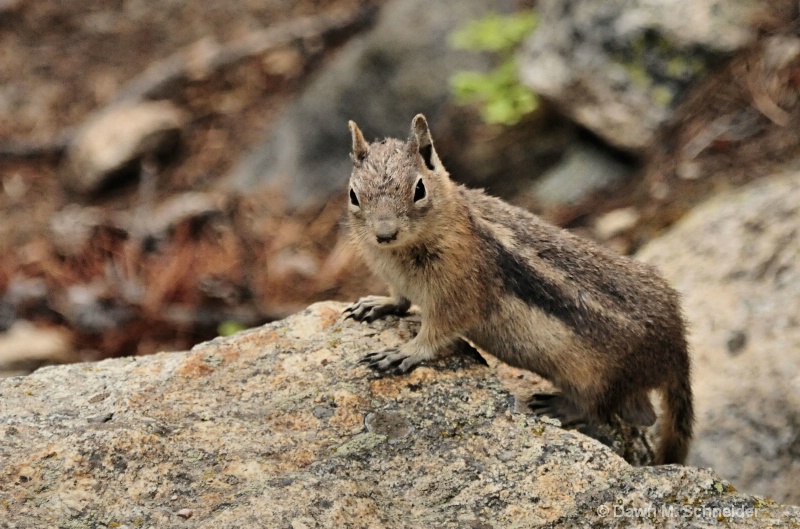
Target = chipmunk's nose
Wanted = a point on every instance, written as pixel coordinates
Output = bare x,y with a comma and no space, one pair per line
385,231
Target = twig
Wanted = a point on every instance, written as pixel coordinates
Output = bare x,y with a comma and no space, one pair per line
29,150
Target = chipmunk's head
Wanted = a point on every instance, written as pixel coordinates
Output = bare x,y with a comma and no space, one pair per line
395,186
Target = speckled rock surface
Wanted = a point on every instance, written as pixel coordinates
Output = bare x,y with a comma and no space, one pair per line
736,259
280,427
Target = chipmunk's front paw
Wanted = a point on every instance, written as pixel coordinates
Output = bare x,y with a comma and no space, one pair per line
371,308
392,361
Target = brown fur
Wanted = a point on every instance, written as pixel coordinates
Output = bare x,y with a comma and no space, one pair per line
605,329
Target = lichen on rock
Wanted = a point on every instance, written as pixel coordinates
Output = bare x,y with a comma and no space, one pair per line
620,67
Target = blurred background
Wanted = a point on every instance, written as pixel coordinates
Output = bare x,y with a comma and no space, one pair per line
174,171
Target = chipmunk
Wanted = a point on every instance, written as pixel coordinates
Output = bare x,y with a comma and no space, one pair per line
603,328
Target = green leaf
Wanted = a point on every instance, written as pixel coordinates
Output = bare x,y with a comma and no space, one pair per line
494,32
503,99
469,87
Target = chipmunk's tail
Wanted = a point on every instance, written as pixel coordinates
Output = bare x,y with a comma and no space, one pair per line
676,421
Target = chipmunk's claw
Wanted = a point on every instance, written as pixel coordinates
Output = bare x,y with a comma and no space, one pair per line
400,370
390,367
373,308
391,361
384,360
368,359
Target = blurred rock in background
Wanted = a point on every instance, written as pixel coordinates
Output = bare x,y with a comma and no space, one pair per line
401,67
380,80
620,67
736,260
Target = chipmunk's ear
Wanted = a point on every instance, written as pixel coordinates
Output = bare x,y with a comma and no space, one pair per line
422,138
360,146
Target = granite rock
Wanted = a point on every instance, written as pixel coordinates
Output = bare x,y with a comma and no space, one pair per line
280,426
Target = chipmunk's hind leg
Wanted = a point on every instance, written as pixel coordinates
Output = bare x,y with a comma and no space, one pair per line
372,308
465,349
638,410
559,406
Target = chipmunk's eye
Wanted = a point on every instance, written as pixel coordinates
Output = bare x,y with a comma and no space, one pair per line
419,191
353,197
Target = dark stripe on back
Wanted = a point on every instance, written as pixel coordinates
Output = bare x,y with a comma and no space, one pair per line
566,259
527,284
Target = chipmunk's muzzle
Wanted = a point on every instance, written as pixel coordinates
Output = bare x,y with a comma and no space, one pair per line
386,231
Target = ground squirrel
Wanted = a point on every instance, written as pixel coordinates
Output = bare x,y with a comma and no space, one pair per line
603,328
